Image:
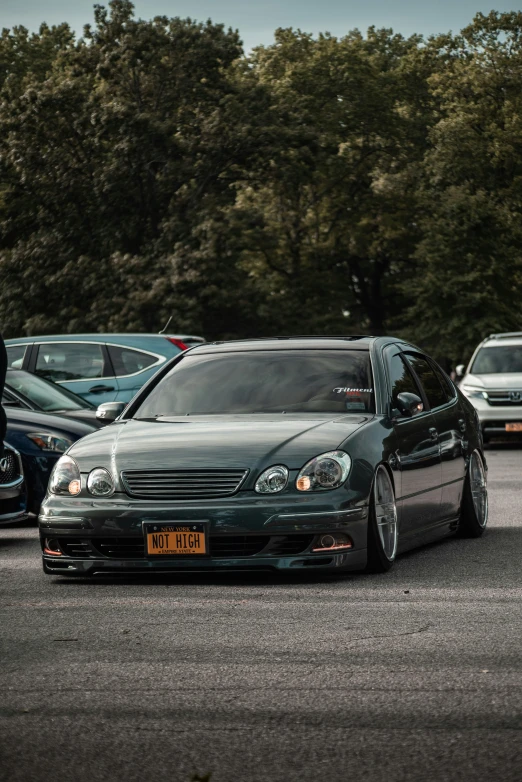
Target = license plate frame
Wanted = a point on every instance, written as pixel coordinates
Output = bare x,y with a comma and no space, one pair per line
514,426
169,547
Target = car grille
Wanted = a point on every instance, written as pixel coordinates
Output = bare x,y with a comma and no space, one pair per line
221,546
75,547
502,398
120,548
182,484
9,469
237,545
290,544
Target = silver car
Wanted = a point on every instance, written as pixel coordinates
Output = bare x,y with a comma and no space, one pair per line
493,383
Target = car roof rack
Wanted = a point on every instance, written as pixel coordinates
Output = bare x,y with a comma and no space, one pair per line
506,335
348,338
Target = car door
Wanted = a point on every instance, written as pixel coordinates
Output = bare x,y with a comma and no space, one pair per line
132,367
82,367
17,355
451,429
417,454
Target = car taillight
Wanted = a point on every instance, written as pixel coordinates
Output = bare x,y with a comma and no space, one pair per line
178,343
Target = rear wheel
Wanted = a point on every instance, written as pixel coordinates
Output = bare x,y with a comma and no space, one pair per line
474,506
383,533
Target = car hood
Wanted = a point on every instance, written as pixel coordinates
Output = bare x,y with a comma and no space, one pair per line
498,381
234,442
32,419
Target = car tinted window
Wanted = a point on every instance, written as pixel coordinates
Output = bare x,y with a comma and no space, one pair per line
127,361
498,358
445,382
264,382
43,394
429,380
401,379
69,361
15,355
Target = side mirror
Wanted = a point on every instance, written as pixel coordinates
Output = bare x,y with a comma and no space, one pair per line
460,370
11,402
409,404
109,412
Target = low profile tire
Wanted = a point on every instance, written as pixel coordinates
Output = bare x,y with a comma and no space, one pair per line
474,506
383,533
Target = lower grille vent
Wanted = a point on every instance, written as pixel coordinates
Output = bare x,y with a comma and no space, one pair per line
289,545
237,545
75,547
120,548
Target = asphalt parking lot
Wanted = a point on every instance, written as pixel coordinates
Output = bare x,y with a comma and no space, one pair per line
414,675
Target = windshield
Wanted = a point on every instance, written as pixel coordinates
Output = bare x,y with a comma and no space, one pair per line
327,381
43,393
498,359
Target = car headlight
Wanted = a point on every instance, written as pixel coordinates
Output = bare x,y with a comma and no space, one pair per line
272,480
327,471
50,443
100,482
65,478
474,392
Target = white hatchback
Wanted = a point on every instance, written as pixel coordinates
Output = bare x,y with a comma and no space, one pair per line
493,383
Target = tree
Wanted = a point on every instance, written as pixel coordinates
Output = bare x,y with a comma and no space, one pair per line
470,255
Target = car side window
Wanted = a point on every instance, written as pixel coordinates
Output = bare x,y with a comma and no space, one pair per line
401,378
444,381
15,355
428,379
128,361
69,361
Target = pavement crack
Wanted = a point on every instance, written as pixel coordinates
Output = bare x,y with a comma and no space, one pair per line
389,635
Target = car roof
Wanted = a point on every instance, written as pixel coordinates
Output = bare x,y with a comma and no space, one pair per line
356,342
97,337
506,339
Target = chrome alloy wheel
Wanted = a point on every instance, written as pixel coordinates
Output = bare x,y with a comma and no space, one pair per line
385,513
479,488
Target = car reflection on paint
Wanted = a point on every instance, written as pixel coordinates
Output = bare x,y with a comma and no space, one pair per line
316,453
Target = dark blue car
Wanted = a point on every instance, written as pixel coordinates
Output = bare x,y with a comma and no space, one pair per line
41,438
12,487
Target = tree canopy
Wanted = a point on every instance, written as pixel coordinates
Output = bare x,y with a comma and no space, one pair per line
370,183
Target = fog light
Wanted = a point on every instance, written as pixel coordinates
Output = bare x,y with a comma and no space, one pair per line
52,547
336,541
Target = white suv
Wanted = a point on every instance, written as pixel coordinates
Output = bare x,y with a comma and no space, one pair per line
493,383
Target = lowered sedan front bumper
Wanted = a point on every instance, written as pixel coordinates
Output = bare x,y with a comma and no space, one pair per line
85,537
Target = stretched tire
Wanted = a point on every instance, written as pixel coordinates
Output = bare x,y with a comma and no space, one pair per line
474,506
383,533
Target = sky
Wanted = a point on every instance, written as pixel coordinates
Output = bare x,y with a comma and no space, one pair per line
256,20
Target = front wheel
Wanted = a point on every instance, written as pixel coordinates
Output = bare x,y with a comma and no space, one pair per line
474,506
383,533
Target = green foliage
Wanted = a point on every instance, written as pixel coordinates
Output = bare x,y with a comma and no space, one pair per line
366,183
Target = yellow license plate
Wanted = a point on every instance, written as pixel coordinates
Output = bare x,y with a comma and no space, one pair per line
514,427
176,540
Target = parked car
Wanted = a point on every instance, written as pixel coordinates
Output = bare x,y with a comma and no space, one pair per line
492,382
30,392
299,453
12,487
97,367
41,438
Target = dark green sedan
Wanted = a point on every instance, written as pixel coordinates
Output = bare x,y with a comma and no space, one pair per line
316,453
